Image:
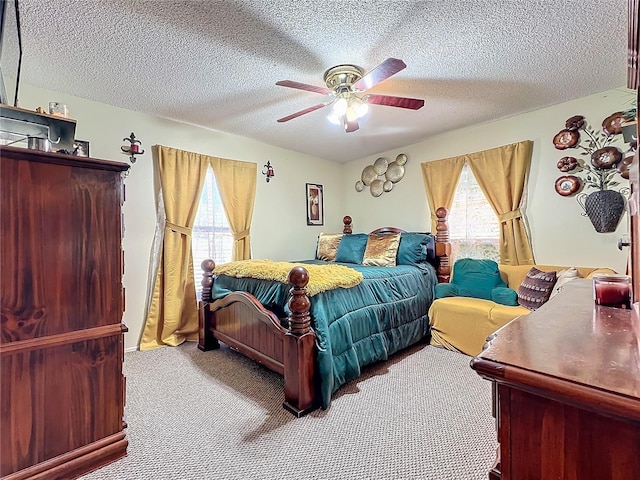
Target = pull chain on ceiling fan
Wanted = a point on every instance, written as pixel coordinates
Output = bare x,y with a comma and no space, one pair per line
344,83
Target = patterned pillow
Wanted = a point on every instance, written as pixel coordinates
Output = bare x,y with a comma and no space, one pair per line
328,246
536,288
381,250
563,277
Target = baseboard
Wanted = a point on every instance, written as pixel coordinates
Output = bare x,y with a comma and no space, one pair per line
77,462
130,349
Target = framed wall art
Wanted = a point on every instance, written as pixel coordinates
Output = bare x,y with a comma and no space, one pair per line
315,204
81,148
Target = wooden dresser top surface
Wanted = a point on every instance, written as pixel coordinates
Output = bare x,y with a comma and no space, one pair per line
573,340
17,153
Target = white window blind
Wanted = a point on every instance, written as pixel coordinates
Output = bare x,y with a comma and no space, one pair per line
211,236
473,227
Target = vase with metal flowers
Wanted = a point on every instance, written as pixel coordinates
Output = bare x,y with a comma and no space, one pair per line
600,165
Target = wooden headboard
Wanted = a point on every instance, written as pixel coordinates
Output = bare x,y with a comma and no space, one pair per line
443,247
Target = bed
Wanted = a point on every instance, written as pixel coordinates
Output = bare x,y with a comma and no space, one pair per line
319,341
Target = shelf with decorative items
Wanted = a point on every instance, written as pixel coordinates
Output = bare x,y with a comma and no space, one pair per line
604,169
38,130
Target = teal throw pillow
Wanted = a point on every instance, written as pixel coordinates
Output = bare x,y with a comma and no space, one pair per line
476,277
443,290
505,296
431,247
413,248
351,248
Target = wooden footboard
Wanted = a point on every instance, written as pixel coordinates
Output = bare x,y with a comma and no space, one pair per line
241,322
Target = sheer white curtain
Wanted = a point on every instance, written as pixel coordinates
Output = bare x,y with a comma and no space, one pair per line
211,236
473,226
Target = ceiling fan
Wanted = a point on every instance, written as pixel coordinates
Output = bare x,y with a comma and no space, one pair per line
345,83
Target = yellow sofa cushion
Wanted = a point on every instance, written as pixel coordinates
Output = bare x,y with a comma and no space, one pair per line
463,324
502,314
513,275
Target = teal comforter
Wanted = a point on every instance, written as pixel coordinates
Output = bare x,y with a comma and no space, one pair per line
356,326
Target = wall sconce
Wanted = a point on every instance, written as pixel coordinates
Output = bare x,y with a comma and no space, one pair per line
134,148
268,172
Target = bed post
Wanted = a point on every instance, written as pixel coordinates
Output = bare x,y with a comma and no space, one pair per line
299,348
206,340
346,225
443,247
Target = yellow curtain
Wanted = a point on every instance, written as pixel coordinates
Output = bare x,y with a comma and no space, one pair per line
172,315
440,181
237,184
502,174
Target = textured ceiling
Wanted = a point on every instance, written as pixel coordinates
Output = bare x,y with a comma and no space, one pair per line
215,63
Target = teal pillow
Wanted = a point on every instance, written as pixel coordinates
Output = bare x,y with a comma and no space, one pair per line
431,247
505,296
351,248
476,278
413,248
443,290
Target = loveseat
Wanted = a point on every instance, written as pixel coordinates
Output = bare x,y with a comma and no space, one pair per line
463,324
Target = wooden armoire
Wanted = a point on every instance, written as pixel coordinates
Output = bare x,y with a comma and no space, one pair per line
61,349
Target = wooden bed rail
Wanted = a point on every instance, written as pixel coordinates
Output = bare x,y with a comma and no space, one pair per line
289,351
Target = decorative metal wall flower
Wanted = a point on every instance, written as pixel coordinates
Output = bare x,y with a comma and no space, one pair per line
382,175
603,168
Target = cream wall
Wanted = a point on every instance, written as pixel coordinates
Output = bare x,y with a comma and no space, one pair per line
279,230
560,234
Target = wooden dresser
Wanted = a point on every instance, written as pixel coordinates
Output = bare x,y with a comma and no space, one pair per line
61,349
566,391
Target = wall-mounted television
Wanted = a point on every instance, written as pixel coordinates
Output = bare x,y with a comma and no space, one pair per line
10,52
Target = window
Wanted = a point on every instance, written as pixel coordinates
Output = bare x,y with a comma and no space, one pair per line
473,227
211,236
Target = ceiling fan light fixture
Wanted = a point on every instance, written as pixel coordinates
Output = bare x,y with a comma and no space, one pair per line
340,106
360,107
351,114
335,119
346,109
344,83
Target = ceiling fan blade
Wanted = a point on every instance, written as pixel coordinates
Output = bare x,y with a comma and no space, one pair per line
389,67
302,112
391,101
303,86
351,125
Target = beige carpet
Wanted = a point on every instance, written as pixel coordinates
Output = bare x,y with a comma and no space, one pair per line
424,414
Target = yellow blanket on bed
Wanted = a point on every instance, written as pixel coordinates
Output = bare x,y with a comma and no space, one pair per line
321,277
